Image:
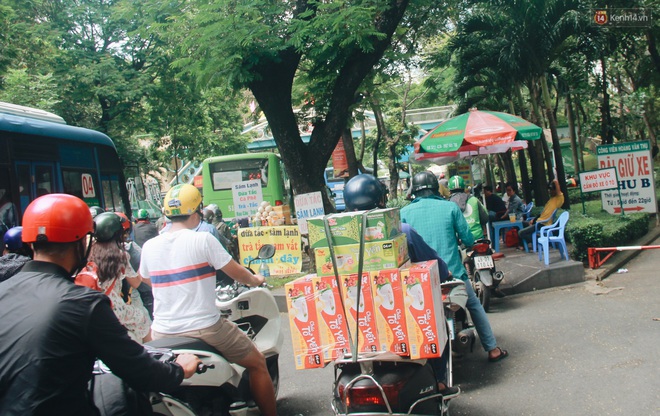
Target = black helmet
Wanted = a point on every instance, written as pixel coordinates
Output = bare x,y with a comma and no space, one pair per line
362,192
96,210
108,227
424,180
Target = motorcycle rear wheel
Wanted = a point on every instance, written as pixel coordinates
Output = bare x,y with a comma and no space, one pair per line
482,292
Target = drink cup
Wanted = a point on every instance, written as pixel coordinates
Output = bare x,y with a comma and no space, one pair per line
512,217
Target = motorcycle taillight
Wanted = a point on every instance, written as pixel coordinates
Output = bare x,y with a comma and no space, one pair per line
481,248
370,395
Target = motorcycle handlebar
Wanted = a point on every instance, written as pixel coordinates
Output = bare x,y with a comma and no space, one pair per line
201,368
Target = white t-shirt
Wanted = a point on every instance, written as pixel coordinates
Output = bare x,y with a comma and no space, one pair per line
181,266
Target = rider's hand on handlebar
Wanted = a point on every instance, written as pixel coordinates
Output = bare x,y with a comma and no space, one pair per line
189,363
258,280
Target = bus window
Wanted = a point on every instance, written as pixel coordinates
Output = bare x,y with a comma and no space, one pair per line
24,186
81,183
43,175
223,174
112,194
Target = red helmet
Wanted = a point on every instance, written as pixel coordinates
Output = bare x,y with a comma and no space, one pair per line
125,222
57,218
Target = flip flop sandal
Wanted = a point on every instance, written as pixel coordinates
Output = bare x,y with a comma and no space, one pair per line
503,355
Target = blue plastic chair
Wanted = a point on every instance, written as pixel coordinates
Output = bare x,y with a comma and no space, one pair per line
538,225
553,234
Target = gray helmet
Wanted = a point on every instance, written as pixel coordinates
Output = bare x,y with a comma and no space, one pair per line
424,180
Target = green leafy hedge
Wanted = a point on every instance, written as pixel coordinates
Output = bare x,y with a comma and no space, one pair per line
589,232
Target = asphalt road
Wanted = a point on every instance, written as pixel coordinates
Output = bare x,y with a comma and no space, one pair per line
585,349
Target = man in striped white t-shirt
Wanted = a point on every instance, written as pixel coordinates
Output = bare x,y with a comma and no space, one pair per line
181,265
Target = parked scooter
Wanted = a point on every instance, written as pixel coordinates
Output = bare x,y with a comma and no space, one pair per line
481,269
220,387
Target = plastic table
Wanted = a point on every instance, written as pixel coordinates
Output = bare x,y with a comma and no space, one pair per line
498,226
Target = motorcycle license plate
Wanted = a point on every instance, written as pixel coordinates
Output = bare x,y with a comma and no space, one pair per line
483,262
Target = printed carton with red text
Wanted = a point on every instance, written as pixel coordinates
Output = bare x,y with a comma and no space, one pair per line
303,319
332,320
425,316
365,320
389,306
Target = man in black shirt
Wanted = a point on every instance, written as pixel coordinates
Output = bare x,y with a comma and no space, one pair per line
52,330
495,205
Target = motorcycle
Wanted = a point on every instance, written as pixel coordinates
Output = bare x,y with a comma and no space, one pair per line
461,330
220,387
481,270
384,383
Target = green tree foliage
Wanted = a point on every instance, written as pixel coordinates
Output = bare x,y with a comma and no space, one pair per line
104,65
39,91
264,46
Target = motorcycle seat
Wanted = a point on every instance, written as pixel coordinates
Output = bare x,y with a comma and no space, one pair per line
182,343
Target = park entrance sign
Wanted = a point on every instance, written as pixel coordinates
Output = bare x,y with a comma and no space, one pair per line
634,166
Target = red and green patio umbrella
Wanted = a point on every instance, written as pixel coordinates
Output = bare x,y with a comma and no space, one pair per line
475,133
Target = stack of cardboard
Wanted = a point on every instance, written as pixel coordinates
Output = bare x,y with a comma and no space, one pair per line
385,246
400,304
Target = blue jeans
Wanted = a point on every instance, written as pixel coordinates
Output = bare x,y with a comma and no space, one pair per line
479,318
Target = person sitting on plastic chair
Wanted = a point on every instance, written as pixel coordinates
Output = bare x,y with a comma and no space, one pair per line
555,202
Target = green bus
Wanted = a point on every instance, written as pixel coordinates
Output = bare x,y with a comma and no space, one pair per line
219,173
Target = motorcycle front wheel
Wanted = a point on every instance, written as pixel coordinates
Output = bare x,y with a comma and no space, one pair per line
482,291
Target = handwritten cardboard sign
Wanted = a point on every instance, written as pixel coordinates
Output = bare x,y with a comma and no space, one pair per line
247,196
308,206
286,239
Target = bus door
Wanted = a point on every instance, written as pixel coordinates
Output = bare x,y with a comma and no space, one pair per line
34,180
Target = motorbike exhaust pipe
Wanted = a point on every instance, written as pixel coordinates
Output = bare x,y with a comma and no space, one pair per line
466,336
498,276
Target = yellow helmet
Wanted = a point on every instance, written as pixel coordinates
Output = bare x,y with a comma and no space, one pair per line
182,200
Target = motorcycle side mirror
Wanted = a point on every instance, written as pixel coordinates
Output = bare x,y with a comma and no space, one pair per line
266,251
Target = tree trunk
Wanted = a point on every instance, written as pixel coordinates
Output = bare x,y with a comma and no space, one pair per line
606,131
542,154
559,163
394,171
510,170
522,159
578,107
349,148
571,132
272,87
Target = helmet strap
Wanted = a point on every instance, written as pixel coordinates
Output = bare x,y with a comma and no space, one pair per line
82,256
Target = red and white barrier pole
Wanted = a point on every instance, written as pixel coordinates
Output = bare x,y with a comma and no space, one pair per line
595,261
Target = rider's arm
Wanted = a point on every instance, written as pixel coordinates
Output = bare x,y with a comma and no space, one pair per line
242,275
220,259
126,358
